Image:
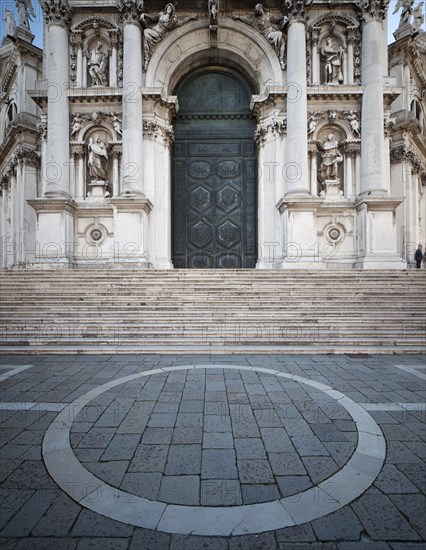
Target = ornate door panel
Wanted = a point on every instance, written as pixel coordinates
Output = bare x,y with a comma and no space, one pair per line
214,206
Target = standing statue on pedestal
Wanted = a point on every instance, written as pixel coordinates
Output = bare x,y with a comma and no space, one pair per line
330,158
263,21
98,159
156,27
10,22
407,11
97,65
332,63
418,16
25,13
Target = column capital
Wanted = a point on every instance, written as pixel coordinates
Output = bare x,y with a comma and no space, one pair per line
372,10
130,10
56,12
295,10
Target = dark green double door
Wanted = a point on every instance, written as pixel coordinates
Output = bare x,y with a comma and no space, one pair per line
214,174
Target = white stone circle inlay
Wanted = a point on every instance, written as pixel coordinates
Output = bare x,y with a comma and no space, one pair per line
328,496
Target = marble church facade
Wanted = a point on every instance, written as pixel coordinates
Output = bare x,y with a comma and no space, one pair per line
213,134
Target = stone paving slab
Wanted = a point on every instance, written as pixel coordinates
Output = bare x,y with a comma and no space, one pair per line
255,450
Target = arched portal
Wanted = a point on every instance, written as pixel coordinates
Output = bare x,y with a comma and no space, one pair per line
214,172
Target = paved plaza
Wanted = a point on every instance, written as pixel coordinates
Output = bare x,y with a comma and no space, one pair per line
188,452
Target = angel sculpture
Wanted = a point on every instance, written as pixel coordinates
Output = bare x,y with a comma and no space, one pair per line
156,27
418,16
10,22
263,21
313,122
407,10
25,13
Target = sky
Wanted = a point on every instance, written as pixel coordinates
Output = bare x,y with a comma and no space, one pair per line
37,25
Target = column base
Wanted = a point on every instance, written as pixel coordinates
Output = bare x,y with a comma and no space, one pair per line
380,261
57,195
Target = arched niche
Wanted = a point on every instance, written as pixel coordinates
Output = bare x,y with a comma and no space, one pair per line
104,134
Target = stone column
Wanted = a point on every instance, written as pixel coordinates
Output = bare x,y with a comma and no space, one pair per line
373,182
113,59
79,42
56,169
351,39
132,168
314,60
296,168
80,173
349,191
115,173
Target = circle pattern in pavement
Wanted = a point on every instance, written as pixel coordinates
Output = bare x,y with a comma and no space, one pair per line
326,497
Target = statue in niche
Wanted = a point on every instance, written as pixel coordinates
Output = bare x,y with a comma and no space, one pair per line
263,21
330,158
332,63
97,65
10,22
98,159
156,27
25,13
407,11
418,16
353,119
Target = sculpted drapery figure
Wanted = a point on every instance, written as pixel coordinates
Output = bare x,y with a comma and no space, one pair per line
10,22
407,10
98,159
332,62
156,27
25,13
330,158
97,65
263,21
418,16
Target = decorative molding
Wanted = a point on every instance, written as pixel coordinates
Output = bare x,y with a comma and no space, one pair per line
77,121
94,21
56,12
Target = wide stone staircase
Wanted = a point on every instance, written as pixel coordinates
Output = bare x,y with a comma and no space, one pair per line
212,311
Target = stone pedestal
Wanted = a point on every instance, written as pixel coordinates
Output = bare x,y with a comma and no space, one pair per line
54,237
131,231
96,190
22,33
376,234
332,190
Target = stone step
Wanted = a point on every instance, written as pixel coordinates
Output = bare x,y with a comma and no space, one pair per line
209,311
